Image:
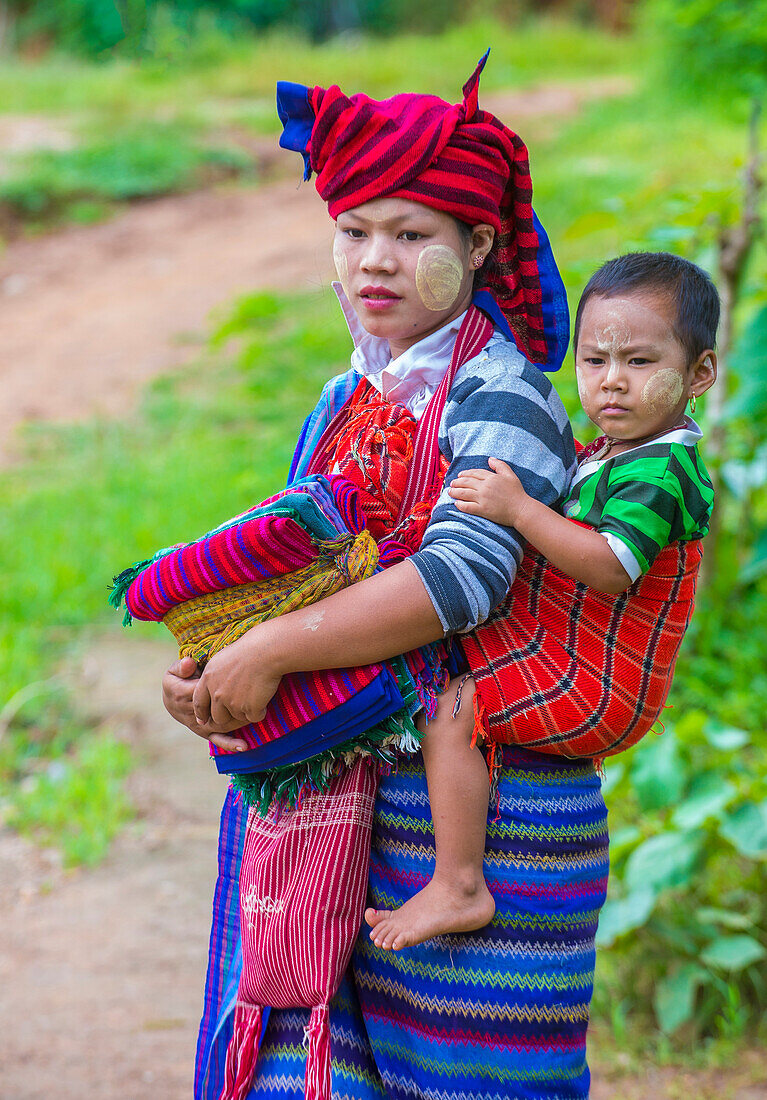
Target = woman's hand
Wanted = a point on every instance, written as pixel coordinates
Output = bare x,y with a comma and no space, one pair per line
495,494
236,685
178,687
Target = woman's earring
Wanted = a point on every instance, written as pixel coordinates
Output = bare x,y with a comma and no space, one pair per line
478,261
693,402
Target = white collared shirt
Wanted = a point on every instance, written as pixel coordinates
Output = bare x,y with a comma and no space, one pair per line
412,377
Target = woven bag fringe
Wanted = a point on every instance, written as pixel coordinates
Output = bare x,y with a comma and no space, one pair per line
317,1085
242,1052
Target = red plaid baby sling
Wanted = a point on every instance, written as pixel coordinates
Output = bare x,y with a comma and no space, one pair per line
563,668
304,870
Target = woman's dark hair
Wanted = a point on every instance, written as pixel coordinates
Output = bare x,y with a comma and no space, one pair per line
687,286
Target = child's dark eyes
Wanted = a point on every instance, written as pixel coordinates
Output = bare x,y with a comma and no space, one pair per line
411,235
638,361
354,232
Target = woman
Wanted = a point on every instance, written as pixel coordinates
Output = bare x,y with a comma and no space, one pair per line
424,195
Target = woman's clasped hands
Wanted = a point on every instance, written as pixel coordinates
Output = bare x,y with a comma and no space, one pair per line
231,691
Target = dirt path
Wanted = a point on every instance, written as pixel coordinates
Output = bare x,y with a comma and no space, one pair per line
89,315
101,971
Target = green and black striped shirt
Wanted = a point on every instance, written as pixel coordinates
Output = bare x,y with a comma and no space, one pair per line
646,498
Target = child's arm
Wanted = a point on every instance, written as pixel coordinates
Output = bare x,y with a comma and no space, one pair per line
579,552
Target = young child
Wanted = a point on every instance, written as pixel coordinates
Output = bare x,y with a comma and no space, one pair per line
643,343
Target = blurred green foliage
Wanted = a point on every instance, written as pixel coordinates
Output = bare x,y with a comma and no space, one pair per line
688,880
96,28
711,47
131,162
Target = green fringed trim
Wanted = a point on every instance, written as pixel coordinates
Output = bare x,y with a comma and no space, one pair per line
122,582
289,784
120,585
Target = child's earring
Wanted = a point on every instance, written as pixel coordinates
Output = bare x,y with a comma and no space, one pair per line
478,261
693,402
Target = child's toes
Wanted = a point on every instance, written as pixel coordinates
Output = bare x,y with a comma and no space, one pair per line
374,917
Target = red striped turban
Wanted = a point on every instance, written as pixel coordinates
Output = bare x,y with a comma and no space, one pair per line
456,158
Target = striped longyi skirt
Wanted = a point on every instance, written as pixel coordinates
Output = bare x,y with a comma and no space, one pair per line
497,1013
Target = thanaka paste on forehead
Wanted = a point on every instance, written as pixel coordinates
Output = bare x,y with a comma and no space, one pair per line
662,391
438,276
611,339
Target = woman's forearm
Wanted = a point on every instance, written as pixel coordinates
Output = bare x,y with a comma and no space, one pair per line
387,614
380,617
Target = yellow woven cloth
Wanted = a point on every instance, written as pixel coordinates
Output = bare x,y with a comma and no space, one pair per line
206,624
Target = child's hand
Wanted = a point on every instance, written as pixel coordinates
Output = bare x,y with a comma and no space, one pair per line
496,494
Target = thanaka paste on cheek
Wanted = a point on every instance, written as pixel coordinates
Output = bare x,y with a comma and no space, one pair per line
582,395
342,267
438,276
662,391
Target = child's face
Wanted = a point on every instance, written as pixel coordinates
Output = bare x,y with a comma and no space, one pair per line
405,268
633,376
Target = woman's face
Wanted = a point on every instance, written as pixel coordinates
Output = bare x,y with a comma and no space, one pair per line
406,269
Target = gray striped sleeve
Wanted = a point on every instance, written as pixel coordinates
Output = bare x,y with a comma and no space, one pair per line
499,406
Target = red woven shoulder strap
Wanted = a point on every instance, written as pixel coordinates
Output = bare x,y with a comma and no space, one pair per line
474,333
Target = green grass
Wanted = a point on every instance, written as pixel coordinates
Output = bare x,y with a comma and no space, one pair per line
130,161
93,499
249,67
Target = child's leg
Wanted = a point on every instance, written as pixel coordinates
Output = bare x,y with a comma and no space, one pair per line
457,898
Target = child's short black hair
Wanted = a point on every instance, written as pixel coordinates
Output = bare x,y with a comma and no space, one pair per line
685,284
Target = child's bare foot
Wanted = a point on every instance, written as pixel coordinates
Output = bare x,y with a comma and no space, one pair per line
441,907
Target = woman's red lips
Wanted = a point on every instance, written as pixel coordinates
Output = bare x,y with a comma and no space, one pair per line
377,292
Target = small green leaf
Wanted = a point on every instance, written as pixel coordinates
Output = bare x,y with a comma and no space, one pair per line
622,915
725,737
733,952
708,795
658,774
748,363
675,996
664,861
725,917
746,829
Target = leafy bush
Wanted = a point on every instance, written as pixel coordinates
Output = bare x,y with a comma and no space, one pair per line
686,919
83,26
712,47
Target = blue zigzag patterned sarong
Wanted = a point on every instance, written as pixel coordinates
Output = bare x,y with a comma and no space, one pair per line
498,1014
